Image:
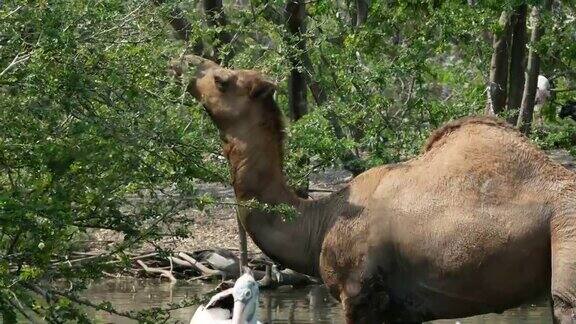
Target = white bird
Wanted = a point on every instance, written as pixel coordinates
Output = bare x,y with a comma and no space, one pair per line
237,305
543,94
542,90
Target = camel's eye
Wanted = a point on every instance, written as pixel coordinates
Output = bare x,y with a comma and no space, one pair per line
247,294
221,83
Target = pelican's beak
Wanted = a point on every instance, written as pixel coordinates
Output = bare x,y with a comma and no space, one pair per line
238,313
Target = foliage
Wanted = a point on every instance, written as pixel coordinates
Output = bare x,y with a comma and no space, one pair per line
93,132
95,135
558,134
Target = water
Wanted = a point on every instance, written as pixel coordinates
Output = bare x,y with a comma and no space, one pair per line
306,305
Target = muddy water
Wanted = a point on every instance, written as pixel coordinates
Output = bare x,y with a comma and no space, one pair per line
309,305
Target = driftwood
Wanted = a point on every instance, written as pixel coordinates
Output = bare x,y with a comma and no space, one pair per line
162,272
222,265
202,268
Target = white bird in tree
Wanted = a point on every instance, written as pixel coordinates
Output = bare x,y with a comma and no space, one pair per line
543,90
543,94
237,305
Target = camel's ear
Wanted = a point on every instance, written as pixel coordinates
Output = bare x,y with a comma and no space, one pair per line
222,82
262,88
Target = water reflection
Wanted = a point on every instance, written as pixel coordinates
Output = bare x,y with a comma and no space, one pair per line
308,305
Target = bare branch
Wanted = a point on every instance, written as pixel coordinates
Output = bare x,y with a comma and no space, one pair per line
13,11
18,59
199,266
126,19
182,27
162,272
563,90
217,18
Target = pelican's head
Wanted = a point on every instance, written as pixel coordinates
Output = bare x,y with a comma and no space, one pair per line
245,300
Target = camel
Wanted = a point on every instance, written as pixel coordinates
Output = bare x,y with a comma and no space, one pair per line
479,222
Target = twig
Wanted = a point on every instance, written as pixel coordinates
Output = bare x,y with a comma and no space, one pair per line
163,273
199,278
129,17
13,11
99,256
179,262
144,256
69,262
111,275
563,90
17,60
410,90
20,309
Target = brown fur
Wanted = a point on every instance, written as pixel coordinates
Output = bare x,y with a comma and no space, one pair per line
273,122
480,222
437,135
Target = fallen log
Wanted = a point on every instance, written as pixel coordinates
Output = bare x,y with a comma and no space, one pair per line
163,273
199,266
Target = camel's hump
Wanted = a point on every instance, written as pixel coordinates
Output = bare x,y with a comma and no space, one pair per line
458,123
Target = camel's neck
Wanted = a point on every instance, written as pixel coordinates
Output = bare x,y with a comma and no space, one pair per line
256,167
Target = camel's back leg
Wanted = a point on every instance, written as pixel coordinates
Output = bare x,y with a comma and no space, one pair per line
563,285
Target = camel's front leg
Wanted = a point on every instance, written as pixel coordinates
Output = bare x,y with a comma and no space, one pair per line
563,285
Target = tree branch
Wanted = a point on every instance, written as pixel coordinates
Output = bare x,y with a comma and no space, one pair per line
199,266
162,272
182,27
216,18
18,59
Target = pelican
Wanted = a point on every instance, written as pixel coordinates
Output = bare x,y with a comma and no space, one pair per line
237,305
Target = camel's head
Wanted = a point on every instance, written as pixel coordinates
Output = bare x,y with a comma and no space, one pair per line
233,98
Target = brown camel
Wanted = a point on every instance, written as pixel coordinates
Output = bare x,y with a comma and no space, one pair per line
480,222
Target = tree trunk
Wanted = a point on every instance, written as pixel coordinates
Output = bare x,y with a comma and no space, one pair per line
499,65
182,27
533,69
361,12
216,18
517,61
351,162
295,19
